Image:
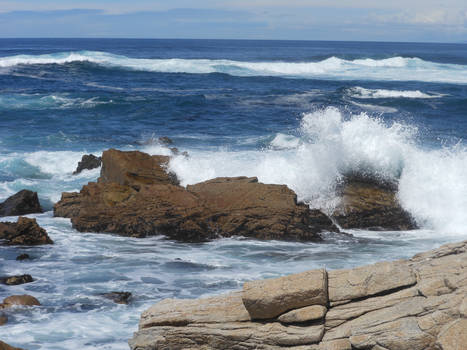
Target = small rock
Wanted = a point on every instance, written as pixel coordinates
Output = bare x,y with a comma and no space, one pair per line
88,162
23,257
24,300
118,297
15,280
305,314
22,203
164,140
24,232
3,319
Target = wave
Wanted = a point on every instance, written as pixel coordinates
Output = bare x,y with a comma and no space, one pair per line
392,69
359,92
432,183
53,101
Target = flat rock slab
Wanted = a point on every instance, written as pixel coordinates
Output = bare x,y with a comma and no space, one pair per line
271,297
369,280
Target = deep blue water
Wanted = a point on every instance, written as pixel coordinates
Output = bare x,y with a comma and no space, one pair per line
293,112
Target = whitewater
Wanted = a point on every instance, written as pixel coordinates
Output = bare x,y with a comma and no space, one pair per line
304,114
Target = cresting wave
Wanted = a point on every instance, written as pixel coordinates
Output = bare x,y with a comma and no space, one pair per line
395,68
432,183
359,92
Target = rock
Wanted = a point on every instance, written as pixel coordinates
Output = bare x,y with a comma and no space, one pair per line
88,162
5,346
304,314
164,140
23,300
24,232
416,304
15,280
22,203
271,297
118,297
135,196
369,203
3,319
22,257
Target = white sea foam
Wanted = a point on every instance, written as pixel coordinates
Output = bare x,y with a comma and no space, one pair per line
53,101
394,68
359,92
433,186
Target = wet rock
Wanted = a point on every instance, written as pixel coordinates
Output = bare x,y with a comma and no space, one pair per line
416,304
370,203
22,300
15,280
22,203
23,256
88,162
118,297
24,232
5,346
135,196
164,140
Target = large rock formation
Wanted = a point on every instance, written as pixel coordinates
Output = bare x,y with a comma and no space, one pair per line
136,196
24,232
416,304
370,203
22,203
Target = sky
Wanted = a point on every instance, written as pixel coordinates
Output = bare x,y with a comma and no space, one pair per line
373,20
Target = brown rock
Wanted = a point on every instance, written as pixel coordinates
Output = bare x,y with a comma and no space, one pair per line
269,298
15,280
118,297
24,232
5,346
88,162
304,314
3,319
454,336
136,197
369,203
24,300
22,203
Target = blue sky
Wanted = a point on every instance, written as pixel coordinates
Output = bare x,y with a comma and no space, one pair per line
395,20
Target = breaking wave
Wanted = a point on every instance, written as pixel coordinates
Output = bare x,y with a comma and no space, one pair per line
394,68
359,92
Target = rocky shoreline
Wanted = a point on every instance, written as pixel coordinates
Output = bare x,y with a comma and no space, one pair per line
416,304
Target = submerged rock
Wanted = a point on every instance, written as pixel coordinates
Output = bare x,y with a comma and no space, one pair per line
416,304
15,280
369,203
22,257
88,162
24,232
19,300
135,196
22,203
118,297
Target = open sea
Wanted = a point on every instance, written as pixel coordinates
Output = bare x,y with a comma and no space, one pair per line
301,113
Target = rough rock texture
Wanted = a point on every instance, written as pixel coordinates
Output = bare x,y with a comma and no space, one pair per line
5,346
369,203
22,203
88,162
24,232
22,300
15,280
135,196
416,304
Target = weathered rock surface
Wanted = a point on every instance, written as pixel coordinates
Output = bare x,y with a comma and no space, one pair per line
5,346
88,162
24,232
15,280
135,196
19,300
22,203
416,304
369,203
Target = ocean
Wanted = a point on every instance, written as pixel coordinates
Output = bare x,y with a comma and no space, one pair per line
301,113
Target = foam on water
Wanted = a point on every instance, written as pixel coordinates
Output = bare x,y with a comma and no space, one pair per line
359,92
433,186
394,68
41,102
